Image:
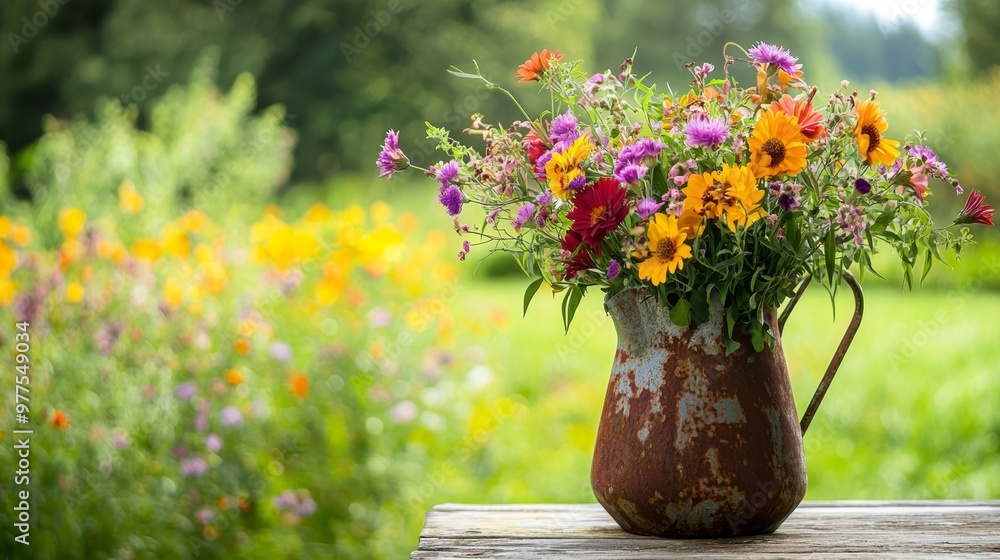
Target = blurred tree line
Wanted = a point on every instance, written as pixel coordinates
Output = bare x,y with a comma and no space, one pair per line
348,69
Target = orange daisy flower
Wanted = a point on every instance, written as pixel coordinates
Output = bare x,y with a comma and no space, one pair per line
60,420
810,119
538,63
876,148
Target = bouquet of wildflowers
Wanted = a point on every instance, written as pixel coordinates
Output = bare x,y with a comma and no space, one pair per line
712,193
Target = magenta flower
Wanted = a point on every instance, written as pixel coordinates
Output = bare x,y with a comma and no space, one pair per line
563,131
213,443
976,211
764,53
524,215
391,159
614,269
193,466
631,174
706,132
446,172
451,198
185,391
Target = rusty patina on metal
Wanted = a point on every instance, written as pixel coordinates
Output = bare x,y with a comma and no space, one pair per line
692,442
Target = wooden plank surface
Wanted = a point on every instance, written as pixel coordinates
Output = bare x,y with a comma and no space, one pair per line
956,529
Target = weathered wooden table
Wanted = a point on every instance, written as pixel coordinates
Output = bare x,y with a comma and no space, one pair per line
817,530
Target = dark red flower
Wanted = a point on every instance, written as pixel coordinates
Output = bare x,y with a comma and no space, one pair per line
534,146
581,260
600,208
976,211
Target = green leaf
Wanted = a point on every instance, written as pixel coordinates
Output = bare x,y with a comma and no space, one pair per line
680,313
699,307
730,321
530,292
830,247
928,260
570,302
716,82
659,179
756,336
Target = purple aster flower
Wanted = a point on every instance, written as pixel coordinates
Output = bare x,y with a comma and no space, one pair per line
563,131
451,198
862,186
706,132
391,159
185,391
281,351
631,174
540,165
231,416
544,198
646,207
447,171
764,53
193,466
641,149
524,215
577,183
936,167
613,269
213,443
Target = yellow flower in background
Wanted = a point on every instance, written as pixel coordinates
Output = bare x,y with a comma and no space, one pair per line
176,241
193,221
173,293
241,347
8,259
380,212
317,213
667,249
282,245
777,146
129,199
5,225
331,287
7,291
354,215
147,249
565,168
75,292
875,148
408,221
214,277
71,222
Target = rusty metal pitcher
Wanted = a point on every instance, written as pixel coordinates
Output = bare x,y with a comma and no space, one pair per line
695,443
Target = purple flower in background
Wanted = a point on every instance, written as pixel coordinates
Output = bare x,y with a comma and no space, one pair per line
391,159
646,207
862,186
764,53
193,466
563,131
185,391
299,503
631,174
524,215
231,416
281,351
306,507
613,269
213,443
204,516
788,201
119,439
706,132
106,337
447,172
451,198
704,69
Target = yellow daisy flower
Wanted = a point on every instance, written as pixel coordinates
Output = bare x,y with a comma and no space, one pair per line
565,167
667,249
869,130
777,146
730,192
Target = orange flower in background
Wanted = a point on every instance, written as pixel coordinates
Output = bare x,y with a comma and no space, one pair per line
60,420
234,377
20,235
299,384
241,347
538,63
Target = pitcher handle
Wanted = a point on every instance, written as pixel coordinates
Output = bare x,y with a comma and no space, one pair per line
845,343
